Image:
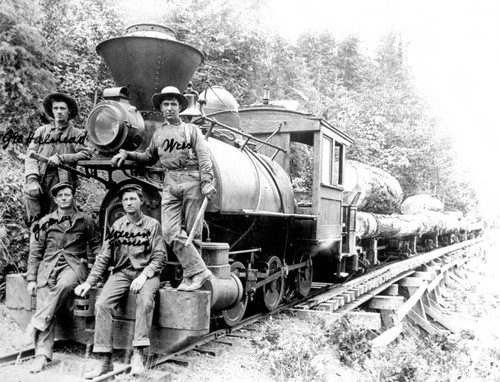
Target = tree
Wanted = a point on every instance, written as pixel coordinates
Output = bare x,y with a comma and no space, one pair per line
350,63
373,100
228,34
25,71
74,28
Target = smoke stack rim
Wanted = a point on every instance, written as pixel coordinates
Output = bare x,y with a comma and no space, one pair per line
151,30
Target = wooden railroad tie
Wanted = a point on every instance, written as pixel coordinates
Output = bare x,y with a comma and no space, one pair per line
208,350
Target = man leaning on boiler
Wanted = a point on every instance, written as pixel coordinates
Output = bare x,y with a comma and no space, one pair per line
184,156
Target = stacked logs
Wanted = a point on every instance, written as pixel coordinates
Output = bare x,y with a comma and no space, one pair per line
370,225
378,191
379,195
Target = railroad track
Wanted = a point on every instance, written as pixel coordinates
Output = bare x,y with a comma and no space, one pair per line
411,288
414,288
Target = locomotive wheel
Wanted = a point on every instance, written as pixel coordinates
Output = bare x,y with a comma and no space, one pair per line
234,315
304,276
273,291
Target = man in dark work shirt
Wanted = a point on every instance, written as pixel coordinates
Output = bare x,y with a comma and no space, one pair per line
56,265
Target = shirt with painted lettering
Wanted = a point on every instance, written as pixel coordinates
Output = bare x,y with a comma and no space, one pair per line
140,242
68,142
170,145
58,235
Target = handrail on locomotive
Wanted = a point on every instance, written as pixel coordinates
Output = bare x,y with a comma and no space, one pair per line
92,166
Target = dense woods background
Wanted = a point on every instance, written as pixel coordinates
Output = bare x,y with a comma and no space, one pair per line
49,45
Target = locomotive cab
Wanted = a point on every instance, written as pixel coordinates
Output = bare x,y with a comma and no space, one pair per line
327,230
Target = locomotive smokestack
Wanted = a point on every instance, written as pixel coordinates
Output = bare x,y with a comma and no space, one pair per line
146,59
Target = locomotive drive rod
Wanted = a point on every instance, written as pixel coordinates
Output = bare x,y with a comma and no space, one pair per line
41,158
197,221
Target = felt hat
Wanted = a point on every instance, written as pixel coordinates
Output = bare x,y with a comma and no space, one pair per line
60,97
169,91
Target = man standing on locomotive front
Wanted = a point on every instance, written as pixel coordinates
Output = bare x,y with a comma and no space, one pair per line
56,265
136,250
183,153
61,143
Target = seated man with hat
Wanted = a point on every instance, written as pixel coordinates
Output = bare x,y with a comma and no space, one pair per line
136,250
61,143
57,263
184,156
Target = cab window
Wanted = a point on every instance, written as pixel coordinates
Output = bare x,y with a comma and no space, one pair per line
332,158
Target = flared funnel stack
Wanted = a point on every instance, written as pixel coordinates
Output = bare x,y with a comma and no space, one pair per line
148,58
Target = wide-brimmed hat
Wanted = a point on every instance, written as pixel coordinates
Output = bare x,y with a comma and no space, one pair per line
60,97
132,188
169,91
54,190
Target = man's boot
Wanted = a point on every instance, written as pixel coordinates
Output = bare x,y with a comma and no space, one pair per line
186,281
198,280
137,362
38,364
104,366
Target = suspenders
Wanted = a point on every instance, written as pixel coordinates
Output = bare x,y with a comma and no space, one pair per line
187,133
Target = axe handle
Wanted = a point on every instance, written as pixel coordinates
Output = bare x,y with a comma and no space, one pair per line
41,158
196,222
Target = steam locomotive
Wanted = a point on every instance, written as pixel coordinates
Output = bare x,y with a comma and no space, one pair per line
260,237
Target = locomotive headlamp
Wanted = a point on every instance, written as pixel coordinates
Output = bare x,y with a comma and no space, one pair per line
114,125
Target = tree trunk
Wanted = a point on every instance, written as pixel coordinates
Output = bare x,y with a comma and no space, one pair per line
419,203
379,191
370,225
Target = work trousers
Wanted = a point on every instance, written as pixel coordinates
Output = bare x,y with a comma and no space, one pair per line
117,286
181,202
43,204
54,297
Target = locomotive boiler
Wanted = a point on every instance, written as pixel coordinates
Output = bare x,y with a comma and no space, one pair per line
260,237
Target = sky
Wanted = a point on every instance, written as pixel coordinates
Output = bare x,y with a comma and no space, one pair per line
454,53
453,50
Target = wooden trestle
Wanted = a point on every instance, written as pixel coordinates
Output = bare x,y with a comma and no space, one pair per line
415,289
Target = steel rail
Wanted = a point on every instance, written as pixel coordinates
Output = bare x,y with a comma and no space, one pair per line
373,282
389,274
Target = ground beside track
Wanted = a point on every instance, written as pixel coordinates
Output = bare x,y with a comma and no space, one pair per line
288,349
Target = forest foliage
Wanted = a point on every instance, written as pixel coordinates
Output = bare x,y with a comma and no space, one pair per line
49,45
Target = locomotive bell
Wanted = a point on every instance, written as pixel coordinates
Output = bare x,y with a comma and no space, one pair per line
194,106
